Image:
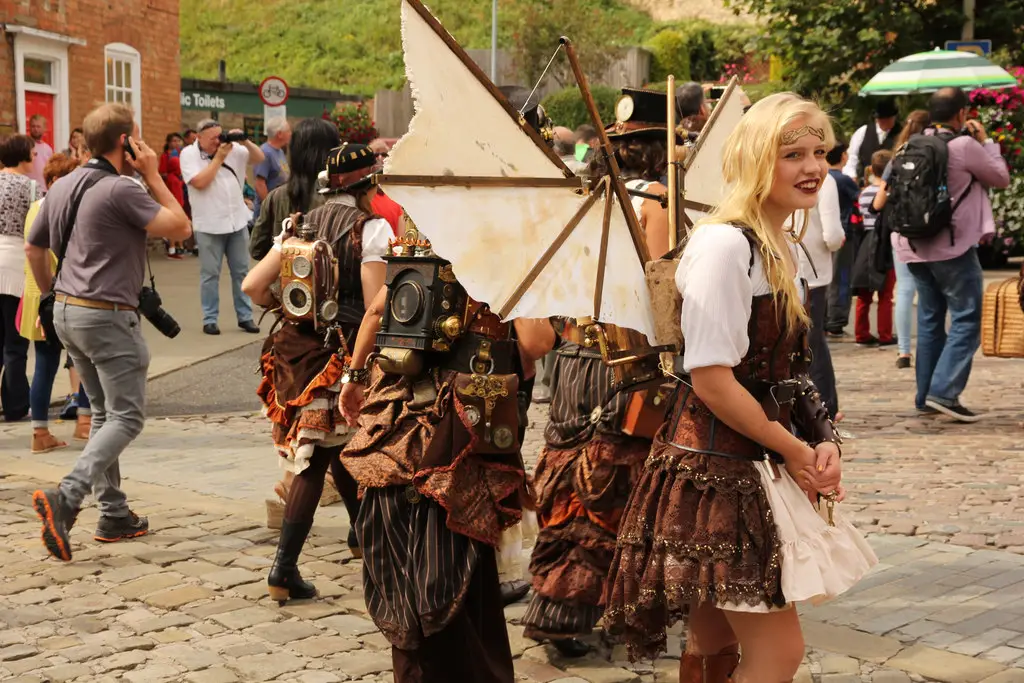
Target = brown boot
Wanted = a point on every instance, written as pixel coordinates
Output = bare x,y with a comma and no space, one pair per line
83,427
707,668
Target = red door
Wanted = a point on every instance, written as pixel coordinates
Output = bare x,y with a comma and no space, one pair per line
40,103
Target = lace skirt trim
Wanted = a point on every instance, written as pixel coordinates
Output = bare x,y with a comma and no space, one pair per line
696,528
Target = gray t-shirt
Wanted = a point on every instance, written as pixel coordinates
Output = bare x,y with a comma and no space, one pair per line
106,256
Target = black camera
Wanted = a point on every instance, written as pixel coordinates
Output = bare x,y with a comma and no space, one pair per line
232,137
151,306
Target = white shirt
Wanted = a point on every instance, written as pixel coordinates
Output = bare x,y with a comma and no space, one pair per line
853,151
718,285
219,208
823,236
377,234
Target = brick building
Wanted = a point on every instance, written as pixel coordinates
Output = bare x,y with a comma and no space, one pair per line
60,58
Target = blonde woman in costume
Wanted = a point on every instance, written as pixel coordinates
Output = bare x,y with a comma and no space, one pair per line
731,521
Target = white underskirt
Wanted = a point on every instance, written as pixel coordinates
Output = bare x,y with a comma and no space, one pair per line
818,561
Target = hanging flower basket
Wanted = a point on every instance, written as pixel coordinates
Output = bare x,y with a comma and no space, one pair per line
354,123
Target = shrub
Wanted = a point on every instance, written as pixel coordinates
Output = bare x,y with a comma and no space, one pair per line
699,50
670,55
566,107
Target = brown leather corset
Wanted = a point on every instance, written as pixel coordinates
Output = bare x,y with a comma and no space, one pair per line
773,356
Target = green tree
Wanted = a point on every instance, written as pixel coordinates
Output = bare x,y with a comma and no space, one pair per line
830,49
597,29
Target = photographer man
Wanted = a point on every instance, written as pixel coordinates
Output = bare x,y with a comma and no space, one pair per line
214,170
103,219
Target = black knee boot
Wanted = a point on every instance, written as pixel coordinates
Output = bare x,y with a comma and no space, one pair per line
284,582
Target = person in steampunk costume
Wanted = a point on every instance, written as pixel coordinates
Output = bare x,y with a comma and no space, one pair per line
588,464
437,458
304,359
731,521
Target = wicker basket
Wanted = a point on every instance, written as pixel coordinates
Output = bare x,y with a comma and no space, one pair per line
1002,321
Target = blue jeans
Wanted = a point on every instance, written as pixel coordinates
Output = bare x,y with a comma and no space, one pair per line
944,359
212,250
905,290
47,367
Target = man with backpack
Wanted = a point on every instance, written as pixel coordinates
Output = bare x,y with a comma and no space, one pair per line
938,204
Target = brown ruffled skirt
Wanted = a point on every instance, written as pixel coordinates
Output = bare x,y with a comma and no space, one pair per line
696,528
299,392
581,496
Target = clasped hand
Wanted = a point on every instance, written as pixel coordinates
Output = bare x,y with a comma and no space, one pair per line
818,471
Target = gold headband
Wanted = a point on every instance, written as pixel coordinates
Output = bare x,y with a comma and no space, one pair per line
791,136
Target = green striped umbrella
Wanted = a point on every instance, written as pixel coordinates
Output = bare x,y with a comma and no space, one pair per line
929,71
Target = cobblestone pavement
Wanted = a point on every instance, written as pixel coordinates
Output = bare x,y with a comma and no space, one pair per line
941,501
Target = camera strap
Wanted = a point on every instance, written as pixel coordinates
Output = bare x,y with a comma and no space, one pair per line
100,164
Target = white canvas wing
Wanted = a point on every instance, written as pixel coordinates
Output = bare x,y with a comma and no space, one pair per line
703,181
459,127
494,236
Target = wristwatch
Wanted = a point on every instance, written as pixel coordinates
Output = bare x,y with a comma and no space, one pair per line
356,376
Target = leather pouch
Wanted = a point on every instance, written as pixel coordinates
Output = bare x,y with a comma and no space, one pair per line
647,410
491,406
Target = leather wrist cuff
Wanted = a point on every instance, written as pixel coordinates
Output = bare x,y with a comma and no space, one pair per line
811,418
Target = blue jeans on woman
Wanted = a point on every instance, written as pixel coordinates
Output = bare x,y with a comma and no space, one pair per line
905,290
944,359
47,366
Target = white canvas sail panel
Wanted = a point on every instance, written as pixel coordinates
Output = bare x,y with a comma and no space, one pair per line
703,181
494,236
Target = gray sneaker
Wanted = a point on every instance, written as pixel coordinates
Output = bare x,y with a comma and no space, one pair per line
112,529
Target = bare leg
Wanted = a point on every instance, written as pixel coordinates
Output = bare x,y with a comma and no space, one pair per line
772,644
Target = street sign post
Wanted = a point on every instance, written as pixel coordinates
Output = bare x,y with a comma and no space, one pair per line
978,47
274,93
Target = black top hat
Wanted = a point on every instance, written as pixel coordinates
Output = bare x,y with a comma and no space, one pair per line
538,119
640,113
348,164
885,109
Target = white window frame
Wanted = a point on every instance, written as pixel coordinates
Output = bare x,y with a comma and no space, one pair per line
120,52
51,47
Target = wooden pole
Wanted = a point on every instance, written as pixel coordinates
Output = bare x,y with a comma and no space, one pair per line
673,204
639,239
602,255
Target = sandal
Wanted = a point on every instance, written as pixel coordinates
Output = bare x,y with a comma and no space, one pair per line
83,428
45,442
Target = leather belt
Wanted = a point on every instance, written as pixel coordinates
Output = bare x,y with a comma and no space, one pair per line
503,355
577,351
92,303
765,455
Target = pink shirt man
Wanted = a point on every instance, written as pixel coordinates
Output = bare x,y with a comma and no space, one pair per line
43,154
973,219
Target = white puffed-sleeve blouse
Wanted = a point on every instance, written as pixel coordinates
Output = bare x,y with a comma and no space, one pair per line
718,285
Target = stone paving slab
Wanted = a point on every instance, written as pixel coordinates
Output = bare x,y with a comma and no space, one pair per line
942,503
129,616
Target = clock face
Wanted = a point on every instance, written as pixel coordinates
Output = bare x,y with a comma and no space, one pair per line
624,109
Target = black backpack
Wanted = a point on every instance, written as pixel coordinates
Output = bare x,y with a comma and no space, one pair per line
919,206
